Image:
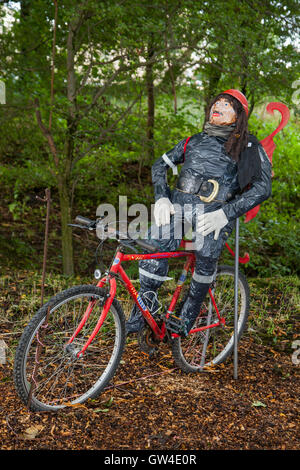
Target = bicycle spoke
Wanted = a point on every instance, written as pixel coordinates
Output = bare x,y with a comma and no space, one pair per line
212,346
61,375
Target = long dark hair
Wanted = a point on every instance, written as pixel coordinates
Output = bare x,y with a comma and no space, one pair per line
238,139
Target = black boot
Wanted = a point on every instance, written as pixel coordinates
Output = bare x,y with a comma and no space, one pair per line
136,320
183,323
152,274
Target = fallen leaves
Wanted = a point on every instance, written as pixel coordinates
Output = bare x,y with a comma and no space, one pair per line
148,408
106,405
32,431
259,404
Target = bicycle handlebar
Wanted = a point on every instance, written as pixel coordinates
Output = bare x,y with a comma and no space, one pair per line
91,224
84,220
146,245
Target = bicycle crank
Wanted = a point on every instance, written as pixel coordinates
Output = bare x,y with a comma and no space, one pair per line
146,341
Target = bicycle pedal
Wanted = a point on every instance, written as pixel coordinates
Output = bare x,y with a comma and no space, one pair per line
150,353
175,324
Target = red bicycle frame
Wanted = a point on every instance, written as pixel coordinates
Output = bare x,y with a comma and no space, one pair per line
117,270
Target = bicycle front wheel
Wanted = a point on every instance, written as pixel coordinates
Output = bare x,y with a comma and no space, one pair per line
61,378
212,346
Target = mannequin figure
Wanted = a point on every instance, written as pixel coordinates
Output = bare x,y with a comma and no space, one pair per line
225,172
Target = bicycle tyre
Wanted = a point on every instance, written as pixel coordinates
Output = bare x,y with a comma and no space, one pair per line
213,346
62,378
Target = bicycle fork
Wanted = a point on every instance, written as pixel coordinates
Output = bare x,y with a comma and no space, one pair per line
105,310
115,270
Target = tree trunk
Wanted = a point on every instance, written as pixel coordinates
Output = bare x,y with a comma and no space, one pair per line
212,84
65,168
151,104
24,14
210,87
66,231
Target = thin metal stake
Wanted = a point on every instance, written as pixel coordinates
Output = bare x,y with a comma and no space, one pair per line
39,339
48,200
236,287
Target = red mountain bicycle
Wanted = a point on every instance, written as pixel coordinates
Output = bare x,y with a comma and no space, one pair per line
73,345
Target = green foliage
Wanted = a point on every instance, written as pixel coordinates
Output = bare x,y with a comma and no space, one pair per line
102,143
274,310
272,237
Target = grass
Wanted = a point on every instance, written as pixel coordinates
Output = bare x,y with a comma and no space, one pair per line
274,310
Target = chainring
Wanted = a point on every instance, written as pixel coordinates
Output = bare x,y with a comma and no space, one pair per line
146,341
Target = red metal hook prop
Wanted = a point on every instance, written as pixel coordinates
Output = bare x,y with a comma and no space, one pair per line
268,143
243,260
269,146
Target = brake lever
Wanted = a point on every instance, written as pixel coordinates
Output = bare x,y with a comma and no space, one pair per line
86,227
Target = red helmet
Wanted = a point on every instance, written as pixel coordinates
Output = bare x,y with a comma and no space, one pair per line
240,97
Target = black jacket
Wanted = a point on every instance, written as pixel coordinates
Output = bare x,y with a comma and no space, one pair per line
205,156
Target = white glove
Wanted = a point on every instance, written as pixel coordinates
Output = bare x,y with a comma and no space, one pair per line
212,222
162,210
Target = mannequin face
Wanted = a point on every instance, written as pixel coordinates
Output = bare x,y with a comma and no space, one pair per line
222,113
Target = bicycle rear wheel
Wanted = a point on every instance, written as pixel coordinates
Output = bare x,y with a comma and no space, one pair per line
212,346
63,378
